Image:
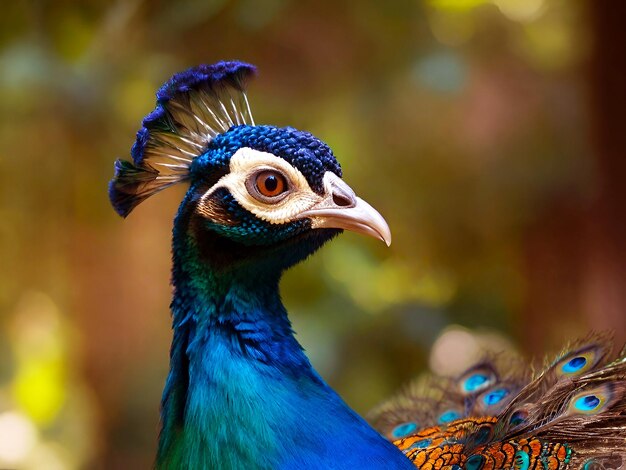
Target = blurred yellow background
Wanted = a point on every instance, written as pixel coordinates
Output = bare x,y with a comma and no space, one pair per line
490,133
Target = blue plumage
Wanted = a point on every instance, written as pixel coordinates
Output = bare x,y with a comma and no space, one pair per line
221,74
241,393
301,149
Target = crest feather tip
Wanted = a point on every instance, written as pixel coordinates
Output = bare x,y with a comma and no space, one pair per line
131,185
192,108
233,73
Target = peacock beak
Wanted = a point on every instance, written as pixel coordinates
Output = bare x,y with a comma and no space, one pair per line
341,208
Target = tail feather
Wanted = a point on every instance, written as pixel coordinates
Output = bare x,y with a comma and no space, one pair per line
482,390
572,415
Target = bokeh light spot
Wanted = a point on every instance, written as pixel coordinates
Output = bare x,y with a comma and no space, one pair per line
18,436
520,10
457,5
442,71
452,344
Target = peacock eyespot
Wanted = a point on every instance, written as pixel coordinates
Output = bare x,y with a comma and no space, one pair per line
475,382
518,418
579,362
587,403
495,396
403,430
574,365
449,416
593,401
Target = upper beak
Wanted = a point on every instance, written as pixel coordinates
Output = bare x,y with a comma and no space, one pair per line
341,208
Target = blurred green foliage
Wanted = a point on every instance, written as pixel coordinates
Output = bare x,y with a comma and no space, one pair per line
460,120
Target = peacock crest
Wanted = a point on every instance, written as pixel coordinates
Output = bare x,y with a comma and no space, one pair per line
193,107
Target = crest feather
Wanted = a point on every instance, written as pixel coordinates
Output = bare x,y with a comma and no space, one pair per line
192,108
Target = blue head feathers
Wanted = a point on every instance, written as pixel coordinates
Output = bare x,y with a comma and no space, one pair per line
252,184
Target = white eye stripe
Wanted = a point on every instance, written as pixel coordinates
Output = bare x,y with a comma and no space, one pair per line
247,162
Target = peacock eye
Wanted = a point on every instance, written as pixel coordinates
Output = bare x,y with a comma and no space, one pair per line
270,183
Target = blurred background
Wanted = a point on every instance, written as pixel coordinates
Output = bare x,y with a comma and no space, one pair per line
490,133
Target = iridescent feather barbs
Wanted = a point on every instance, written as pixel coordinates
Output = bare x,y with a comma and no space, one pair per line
572,415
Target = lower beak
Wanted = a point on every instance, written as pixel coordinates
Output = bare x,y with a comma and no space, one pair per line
341,208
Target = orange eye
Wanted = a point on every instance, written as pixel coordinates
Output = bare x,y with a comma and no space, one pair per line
270,183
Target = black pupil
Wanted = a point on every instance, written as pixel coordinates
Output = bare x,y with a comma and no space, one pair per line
271,183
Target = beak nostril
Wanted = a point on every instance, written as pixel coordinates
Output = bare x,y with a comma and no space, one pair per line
342,200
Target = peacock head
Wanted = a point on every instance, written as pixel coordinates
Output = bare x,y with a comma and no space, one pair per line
262,193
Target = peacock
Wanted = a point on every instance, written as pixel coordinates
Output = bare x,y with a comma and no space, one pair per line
241,393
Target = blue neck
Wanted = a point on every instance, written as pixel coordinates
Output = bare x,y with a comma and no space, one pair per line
241,393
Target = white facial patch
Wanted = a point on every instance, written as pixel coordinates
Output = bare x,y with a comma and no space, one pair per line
247,162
